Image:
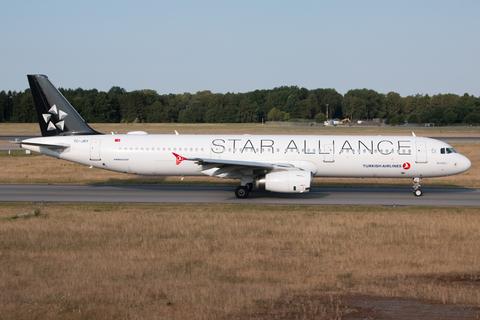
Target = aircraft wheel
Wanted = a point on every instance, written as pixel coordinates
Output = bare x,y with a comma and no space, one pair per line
241,192
417,192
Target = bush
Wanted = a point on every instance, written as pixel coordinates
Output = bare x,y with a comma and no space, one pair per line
276,115
320,117
413,118
472,117
397,120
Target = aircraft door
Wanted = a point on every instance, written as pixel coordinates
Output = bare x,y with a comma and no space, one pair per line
95,150
328,153
421,151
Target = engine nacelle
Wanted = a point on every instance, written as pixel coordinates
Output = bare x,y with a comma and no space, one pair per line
290,181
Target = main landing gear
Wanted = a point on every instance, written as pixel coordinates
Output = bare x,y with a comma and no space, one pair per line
416,187
243,191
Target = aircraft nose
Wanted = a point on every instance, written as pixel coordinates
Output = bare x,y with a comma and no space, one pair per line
464,164
468,163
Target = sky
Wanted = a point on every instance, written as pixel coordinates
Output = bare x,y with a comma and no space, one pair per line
409,47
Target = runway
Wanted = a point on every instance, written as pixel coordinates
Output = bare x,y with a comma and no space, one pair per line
225,195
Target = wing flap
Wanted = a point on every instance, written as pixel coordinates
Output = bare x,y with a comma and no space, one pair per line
235,168
215,163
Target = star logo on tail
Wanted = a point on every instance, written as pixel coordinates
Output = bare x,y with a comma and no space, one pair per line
60,124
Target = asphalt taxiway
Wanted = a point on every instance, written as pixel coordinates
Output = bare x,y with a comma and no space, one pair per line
225,195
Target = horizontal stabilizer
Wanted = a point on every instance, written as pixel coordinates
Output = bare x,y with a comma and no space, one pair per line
40,144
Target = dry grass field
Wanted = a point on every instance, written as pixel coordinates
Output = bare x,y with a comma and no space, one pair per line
107,261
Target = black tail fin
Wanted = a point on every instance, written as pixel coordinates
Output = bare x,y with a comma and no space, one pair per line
55,114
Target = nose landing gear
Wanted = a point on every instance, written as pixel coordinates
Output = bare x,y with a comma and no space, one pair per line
416,187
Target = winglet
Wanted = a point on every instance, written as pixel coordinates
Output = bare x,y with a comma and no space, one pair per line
413,134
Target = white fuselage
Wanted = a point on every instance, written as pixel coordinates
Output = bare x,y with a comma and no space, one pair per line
324,156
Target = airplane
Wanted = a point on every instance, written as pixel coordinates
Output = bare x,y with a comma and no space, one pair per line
277,163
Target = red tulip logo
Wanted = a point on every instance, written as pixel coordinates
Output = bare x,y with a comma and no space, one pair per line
178,158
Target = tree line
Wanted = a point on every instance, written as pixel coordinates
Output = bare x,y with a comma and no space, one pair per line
286,103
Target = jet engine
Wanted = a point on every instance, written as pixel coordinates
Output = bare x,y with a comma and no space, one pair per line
289,181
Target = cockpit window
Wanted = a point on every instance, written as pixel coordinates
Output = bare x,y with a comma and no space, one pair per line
447,150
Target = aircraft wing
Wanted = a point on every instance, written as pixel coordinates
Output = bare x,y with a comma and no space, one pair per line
234,168
222,163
